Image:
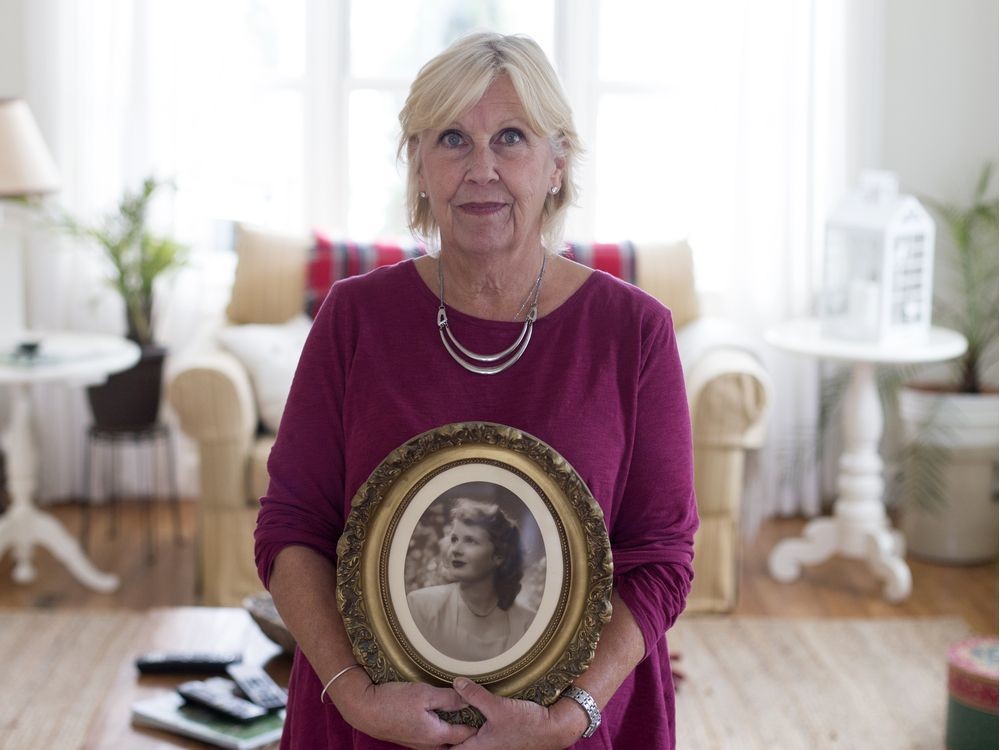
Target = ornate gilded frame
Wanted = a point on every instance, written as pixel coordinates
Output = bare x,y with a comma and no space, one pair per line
555,649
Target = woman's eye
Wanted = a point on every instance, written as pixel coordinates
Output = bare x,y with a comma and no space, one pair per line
450,139
511,137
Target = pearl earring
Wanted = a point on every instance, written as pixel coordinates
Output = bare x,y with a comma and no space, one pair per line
554,189
423,194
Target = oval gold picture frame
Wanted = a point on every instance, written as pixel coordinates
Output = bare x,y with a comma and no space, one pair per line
576,602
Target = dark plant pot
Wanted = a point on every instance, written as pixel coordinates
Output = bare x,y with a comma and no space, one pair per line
130,400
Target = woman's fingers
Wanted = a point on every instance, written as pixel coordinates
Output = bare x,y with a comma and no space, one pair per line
443,699
455,734
403,713
478,696
446,699
512,724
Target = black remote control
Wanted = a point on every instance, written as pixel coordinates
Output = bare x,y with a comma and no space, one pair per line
186,662
220,700
258,686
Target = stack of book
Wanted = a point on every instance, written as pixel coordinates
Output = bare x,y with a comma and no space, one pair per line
171,712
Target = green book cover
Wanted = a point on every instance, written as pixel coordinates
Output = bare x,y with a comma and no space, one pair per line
169,711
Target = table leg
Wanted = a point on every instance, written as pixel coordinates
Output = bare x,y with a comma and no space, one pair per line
23,526
817,544
860,527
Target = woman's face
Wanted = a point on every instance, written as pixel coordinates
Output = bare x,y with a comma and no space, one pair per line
487,175
471,554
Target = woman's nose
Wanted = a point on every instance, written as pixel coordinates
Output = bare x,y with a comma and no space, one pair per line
482,165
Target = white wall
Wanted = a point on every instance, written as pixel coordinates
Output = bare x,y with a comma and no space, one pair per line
940,94
940,121
11,48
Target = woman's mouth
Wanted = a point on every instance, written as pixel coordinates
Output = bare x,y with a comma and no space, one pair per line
457,563
482,209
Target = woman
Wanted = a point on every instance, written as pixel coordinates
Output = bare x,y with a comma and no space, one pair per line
475,617
582,361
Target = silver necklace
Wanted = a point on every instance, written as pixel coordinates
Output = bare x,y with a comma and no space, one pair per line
508,356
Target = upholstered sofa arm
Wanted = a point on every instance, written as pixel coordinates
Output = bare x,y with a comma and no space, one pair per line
729,395
213,398
728,389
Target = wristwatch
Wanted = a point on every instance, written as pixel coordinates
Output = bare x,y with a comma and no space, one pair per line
588,704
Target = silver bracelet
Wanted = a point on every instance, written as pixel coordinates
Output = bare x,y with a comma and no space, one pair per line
333,679
586,701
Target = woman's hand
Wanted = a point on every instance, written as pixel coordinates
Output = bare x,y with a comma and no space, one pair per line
520,725
403,713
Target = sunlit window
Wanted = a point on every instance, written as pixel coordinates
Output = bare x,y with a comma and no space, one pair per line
232,109
284,112
665,92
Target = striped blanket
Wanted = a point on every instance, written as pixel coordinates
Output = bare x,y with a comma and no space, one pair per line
329,261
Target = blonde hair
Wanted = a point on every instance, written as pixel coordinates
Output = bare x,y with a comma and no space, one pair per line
453,82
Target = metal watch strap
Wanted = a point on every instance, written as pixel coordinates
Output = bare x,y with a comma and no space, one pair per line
588,704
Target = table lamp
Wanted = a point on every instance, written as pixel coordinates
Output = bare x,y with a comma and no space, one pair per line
26,170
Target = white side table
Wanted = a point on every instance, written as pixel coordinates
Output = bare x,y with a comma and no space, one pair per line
73,359
859,527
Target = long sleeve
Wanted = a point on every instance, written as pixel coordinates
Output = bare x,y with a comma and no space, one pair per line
304,504
652,537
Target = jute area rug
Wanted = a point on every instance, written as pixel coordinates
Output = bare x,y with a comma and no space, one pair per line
779,684
55,670
812,684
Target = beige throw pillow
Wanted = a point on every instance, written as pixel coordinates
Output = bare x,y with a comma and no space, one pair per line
270,276
666,271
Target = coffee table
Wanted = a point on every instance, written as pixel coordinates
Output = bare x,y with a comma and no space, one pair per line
177,629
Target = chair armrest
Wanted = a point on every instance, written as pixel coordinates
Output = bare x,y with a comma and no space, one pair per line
211,393
729,395
213,397
728,389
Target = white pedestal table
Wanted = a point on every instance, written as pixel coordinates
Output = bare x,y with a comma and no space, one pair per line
69,358
859,527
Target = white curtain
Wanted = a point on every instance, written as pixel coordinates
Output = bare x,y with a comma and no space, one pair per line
799,154
780,183
89,83
800,128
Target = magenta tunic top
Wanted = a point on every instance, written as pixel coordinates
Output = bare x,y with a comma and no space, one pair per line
600,382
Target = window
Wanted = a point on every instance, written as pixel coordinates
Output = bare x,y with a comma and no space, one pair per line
228,82
284,112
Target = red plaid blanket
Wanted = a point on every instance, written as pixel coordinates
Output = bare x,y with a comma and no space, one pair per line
330,261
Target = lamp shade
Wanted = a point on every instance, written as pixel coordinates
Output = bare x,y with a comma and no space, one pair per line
26,168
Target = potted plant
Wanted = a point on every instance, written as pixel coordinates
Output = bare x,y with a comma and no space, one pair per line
130,400
949,427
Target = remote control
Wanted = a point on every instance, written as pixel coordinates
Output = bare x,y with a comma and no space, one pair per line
258,686
221,701
186,662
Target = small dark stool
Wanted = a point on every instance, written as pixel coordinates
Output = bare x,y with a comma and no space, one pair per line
151,441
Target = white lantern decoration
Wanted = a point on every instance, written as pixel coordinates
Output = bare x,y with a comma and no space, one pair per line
878,265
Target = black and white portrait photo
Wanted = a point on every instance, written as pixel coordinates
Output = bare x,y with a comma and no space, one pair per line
475,571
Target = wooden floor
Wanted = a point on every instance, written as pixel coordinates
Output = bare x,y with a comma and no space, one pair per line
846,588
838,588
